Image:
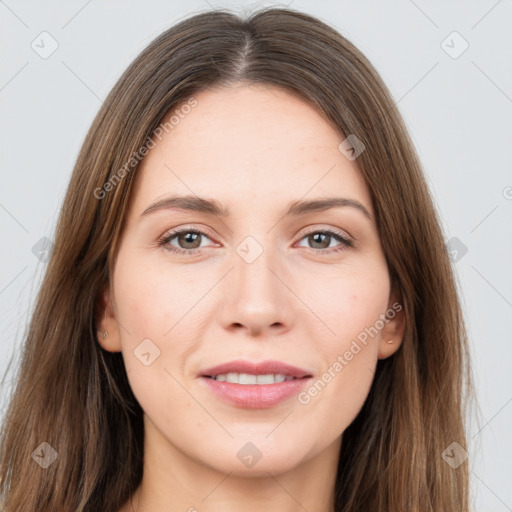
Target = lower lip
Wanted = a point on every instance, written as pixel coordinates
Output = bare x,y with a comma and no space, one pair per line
255,396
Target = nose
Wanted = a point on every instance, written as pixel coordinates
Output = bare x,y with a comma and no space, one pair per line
257,297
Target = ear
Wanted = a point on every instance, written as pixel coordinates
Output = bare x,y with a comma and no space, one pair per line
107,327
392,333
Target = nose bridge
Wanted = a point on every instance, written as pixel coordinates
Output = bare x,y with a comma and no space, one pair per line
255,296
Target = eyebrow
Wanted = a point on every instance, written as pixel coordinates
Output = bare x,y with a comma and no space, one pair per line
295,208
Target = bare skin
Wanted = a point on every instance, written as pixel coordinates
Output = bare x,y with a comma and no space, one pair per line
254,149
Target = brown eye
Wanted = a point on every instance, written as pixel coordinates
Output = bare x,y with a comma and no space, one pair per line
188,241
321,241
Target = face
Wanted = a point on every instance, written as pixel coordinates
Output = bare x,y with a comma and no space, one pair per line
193,289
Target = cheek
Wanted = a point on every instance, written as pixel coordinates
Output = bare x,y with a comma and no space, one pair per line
150,298
351,306
155,311
348,302
338,393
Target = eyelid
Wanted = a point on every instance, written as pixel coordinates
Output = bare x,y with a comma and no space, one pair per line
314,228
345,240
172,233
192,227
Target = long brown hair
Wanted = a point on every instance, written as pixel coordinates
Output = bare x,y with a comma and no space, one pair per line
75,396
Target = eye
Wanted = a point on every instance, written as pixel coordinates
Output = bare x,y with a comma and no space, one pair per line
189,241
322,240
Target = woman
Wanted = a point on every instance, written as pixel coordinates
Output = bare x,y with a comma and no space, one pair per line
306,351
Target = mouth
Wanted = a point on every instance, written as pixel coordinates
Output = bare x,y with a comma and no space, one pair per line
246,372
255,385
250,379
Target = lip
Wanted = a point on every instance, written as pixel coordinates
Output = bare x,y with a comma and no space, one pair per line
255,396
262,368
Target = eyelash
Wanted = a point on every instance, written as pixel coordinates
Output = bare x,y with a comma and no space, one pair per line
167,237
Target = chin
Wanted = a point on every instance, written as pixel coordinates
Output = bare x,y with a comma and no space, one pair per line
253,458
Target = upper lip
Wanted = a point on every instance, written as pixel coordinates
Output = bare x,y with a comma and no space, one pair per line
262,368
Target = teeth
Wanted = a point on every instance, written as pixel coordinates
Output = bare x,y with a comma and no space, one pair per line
246,378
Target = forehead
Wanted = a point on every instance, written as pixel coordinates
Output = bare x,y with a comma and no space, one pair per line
250,141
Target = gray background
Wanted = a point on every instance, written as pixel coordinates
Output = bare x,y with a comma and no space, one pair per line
457,107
